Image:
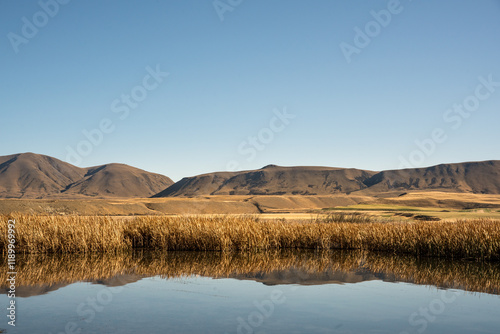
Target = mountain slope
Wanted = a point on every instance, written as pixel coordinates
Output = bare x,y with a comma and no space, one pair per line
204,184
118,180
272,180
30,175
474,177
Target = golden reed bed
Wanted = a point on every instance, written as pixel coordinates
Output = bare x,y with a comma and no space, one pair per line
475,239
299,267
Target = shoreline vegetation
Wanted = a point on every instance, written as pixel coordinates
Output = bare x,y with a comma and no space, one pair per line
477,239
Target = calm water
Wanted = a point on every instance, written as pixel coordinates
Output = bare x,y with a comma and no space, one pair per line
306,292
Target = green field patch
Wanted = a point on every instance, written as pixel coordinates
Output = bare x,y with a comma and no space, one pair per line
384,208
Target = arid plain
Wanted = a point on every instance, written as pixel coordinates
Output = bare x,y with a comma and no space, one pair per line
38,184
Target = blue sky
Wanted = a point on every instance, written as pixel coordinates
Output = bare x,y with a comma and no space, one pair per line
228,79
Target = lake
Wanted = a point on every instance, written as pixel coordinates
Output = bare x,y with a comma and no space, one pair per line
269,292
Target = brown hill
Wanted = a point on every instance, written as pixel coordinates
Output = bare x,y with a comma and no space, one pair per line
474,177
35,176
118,180
272,180
204,184
30,175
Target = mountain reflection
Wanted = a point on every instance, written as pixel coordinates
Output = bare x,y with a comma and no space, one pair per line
42,273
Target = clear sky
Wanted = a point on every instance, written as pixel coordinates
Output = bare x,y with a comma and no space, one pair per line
354,83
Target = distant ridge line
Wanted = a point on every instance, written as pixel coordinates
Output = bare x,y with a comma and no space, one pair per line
474,177
30,175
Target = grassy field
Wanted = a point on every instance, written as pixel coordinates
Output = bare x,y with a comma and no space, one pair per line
475,239
390,206
398,212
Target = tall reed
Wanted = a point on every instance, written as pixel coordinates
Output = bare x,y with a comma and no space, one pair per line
479,239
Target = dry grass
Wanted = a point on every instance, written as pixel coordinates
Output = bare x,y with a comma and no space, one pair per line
58,234
479,239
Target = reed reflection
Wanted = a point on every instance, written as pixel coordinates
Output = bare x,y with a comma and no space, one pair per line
42,273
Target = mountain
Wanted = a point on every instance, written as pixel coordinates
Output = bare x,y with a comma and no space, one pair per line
32,175
474,177
118,180
272,180
29,175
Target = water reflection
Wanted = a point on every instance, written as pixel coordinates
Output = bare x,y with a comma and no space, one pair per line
39,274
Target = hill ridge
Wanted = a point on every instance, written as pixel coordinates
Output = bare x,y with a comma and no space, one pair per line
30,175
271,180
473,176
